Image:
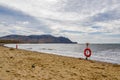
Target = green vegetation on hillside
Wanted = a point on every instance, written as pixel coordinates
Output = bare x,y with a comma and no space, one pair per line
9,41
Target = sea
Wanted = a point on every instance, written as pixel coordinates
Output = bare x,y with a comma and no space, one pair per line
100,52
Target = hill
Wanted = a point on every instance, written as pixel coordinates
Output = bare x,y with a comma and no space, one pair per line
35,39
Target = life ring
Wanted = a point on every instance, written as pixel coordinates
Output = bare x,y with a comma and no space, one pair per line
87,50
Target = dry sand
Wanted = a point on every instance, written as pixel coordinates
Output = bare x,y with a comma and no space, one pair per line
27,65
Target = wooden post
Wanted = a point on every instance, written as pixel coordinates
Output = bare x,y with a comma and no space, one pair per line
87,47
16,46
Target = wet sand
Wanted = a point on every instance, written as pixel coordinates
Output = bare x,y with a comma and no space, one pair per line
18,64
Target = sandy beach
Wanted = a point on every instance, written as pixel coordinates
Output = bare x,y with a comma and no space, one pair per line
16,64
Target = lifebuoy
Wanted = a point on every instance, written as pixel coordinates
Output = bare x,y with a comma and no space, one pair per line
87,54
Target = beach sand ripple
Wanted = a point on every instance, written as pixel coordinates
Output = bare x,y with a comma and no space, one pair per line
18,64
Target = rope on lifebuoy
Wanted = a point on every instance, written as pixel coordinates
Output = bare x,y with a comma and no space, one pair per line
87,50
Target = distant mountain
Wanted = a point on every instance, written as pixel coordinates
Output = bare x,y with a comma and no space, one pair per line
36,39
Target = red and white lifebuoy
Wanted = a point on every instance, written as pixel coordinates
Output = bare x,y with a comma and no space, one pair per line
87,52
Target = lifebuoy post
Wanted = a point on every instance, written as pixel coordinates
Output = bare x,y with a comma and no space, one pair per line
87,51
16,46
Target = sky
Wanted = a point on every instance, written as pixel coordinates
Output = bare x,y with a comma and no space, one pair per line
93,21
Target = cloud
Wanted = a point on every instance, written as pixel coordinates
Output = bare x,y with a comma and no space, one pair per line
15,21
71,18
107,16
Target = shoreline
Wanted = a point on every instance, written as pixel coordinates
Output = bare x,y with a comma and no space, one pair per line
29,65
65,56
102,56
